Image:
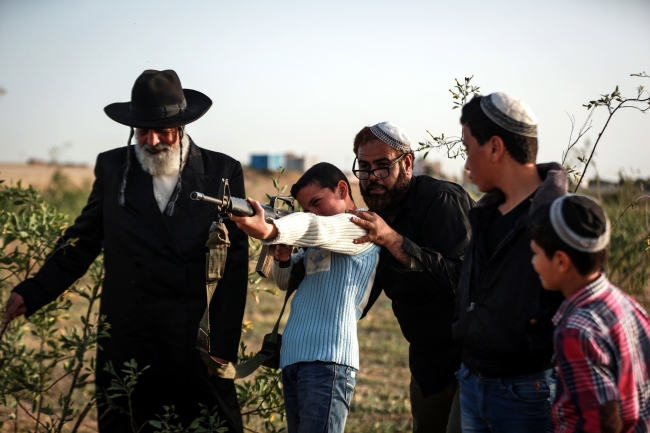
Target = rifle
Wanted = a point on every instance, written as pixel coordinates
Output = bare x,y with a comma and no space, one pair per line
218,243
240,207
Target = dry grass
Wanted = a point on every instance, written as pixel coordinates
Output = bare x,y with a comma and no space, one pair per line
40,176
256,182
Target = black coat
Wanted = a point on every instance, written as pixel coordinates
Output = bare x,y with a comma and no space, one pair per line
154,294
433,220
503,314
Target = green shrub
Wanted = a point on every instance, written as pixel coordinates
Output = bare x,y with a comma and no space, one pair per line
47,362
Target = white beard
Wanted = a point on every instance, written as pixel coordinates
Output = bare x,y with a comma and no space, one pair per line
165,162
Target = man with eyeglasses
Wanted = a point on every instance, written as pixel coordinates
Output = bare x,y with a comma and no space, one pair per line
421,224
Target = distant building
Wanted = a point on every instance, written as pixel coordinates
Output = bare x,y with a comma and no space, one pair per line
289,161
602,184
267,161
293,162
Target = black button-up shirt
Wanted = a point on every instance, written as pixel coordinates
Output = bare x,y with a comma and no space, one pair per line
432,217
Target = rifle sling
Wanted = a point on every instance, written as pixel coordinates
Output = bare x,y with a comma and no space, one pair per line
218,243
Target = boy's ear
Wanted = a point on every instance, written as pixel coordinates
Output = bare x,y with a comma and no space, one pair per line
342,189
562,262
497,147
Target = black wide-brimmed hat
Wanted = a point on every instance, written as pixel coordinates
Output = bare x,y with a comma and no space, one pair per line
159,101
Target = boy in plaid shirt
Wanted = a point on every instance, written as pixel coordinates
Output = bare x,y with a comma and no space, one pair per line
602,336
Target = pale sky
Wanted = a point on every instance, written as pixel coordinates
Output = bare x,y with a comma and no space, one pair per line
306,76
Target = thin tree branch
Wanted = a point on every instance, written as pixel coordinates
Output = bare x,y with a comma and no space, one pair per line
631,205
38,422
82,415
602,131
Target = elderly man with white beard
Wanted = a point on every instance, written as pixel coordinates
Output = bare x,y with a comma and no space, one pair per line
153,237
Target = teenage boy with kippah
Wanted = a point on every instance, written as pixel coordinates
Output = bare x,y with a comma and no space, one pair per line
602,336
320,350
503,314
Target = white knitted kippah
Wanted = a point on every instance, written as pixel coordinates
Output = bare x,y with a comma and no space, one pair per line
510,113
392,135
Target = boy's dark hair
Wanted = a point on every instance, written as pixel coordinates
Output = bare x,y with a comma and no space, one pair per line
324,174
541,231
522,149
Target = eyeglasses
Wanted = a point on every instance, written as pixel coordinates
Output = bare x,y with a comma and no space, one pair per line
379,173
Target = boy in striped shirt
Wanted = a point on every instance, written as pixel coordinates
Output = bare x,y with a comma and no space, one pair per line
320,350
602,336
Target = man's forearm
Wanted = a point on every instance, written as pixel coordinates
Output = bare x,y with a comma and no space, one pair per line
395,248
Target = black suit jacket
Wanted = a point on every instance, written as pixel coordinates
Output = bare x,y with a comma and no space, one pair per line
154,287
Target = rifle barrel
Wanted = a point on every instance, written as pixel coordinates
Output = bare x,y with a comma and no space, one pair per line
201,197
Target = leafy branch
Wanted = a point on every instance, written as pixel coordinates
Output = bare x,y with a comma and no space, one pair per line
613,102
38,357
450,145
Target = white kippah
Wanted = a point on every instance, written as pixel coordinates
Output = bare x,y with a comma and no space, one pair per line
510,113
392,135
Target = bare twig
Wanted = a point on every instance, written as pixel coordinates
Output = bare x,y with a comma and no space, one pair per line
629,206
45,390
29,414
82,415
583,130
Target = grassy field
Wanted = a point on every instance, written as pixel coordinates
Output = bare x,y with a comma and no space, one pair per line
380,402
257,183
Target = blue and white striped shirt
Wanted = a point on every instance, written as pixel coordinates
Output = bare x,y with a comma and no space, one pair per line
322,325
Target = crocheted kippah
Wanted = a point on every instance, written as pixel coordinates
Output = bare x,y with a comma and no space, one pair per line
580,222
392,135
510,113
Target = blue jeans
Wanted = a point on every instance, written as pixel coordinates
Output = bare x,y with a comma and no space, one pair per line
513,404
317,396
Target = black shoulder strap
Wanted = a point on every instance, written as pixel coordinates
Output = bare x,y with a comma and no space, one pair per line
269,355
218,243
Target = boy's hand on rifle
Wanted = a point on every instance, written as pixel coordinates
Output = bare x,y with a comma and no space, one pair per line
255,226
283,252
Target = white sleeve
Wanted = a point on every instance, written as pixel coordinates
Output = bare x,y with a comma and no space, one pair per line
334,233
281,276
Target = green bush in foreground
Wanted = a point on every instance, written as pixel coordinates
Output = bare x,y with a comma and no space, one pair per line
47,362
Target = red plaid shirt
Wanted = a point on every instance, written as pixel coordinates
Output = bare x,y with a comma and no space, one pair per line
602,349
